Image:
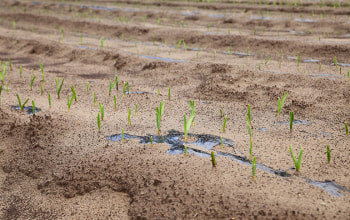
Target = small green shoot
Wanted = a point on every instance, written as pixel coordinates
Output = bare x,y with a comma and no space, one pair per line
124,90
158,117
214,54
249,127
33,107
20,71
32,82
94,98
221,143
348,75
253,168
10,64
296,163
224,127
298,59
129,115
267,61
7,89
111,86
152,141
187,124
328,154
87,88
59,86
62,33
251,149
102,110
74,93
99,122
70,101
136,109
102,43
115,103
0,93
186,151
169,93
280,103
213,159
127,87
41,89
49,97
158,92
335,62
249,115
19,102
346,129
291,120
122,134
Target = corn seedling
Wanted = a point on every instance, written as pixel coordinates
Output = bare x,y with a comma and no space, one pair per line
94,98
0,93
127,87
187,124
20,71
224,127
62,33
49,97
346,129
129,115
186,151
136,109
251,149
298,59
102,110
213,159
74,93
7,89
169,97
116,80
10,64
124,90
99,122
158,117
319,67
221,115
32,82
178,44
249,115
102,43
335,62
268,59
21,106
122,134
259,67
33,107
291,120
230,50
340,70
280,103
214,54
152,141
253,168
328,154
41,89
296,163
247,51
59,86
87,88
348,74
111,86
42,72
158,92
69,101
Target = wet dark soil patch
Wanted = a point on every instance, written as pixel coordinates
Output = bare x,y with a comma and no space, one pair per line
28,109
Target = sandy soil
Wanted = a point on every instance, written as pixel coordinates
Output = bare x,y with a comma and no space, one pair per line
57,165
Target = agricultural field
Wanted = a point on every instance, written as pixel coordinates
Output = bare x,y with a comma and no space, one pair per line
226,109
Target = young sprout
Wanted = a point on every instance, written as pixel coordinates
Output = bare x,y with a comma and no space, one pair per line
7,89
152,141
158,92
335,62
70,101
224,127
280,103
186,151
247,51
291,120
116,80
221,115
111,86
49,97
102,110
136,109
115,103
19,102
122,134
169,93
0,93
230,50
340,70
268,59
87,88
124,90
10,64
328,154
58,86
213,159
214,54
249,115
221,143
298,59
99,123
41,89
296,163
348,74
251,149
259,66
127,87
122,36
319,67
42,72
33,107
187,124
178,44
129,115
102,43
253,168
62,33
249,127
346,129
158,117
94,98
32,82
74,93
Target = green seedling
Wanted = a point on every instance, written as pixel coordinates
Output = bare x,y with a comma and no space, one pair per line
186,151
319,67
159,118
87,88
152,141
280,103
20,71
259,66
41,89
340,70
10,64
221,115
70,101
42,72
346,129
19,102
33,107
59,86
169,97
124,90
291,120
224,127
122,37
178,44
99,123
129,115
161,109
7,89
127,87
249,115
62,33
49,97
249,127
247,51
116,80
267,61
102,43
253,168
13,25
328,154
192,110
214,54
296,163
348,74
94,98
102,110
136,109
187,124
115,103
251,149
111,86
230,50
32,82
0,93
335,62
213,159
158,92
74,93
298,59
122,134
185,46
